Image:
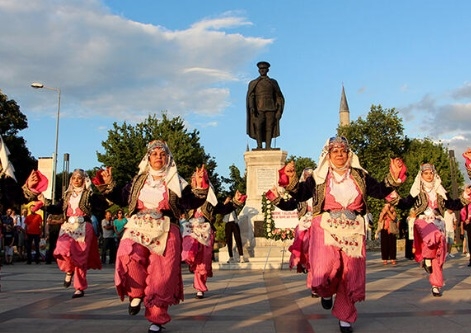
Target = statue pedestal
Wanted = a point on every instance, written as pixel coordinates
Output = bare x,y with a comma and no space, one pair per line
262,174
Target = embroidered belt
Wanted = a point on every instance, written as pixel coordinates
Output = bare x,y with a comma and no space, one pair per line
150,229
349,214
75,219
74,227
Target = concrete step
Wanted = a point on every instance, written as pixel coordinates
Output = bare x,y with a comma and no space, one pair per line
254,264
265,256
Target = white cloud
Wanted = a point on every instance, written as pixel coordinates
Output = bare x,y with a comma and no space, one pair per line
462,92
110,66
448,122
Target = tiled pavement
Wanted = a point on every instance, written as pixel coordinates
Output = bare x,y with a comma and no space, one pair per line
32,299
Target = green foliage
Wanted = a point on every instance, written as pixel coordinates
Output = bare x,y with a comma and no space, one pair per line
235,181
380,137
302,163
426,151
126,145
375,140
220,234
12,121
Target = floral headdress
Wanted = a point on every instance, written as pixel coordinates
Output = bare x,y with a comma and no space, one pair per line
338,142
322,169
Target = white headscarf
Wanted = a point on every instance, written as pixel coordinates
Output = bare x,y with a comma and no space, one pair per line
434,186
320,173
169,172
86,181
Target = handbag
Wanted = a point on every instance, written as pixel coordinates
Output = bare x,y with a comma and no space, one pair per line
393,229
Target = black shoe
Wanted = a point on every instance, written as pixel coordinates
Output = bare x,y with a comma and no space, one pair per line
326,303
68,283
314,294
155,328
428,269
345,329
134,310
436,292
78,293
199,295
469,265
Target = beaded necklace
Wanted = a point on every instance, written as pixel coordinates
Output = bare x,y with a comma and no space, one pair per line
342,177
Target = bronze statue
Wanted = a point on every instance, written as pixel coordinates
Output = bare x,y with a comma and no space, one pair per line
265,104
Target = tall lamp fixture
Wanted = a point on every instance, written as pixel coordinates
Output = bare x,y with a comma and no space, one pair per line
37,85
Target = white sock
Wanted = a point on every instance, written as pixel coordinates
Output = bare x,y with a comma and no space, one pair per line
344,323
154,328
428,262
135,302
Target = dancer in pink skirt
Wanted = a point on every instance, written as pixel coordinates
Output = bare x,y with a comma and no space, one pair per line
148,263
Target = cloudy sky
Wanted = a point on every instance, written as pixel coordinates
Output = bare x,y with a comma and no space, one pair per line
121,60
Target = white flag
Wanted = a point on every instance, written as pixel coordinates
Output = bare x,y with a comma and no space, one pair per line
6,166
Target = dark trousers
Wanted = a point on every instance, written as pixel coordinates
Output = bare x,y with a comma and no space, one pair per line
109,244
408,244
408,249
54,230
233,228
388,245
29,242
264,126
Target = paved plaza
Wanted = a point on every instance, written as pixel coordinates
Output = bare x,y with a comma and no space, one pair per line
399,299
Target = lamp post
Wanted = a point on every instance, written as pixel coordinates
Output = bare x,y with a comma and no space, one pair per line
37,85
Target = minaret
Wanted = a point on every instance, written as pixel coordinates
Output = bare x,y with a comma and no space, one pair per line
344,111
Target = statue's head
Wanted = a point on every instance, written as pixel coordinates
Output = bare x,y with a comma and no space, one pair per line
263,64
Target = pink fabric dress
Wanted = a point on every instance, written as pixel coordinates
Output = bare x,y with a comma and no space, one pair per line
333,271
77,254
142,273
299,257
199,256
156,278
430,243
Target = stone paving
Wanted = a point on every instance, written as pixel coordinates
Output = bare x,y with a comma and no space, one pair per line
399,299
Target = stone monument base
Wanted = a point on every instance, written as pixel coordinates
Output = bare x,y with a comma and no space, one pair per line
262,167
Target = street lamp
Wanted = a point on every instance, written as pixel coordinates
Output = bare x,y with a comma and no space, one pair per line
37,85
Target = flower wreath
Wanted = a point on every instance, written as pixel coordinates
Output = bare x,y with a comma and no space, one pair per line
269,223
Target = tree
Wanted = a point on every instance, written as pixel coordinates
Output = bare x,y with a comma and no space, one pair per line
375,140
380,137
126,145
302,163
423,151
12,121
235,181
